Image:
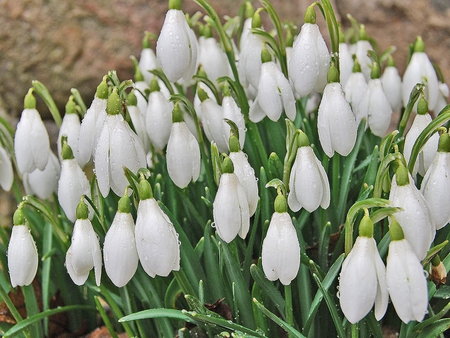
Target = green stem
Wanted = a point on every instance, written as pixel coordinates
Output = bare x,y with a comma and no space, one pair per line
43,92
288,307
13,310
355,330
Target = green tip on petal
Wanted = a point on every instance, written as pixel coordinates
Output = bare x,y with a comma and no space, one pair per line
177,115
30,101
131,99
124,204
82,209
280,204
310,14
202,95
333,74
102,89
302,139
366,227
154,86
144,190
363,33
375,73
18,217
356,66
71,107
256,19
234,144
444,143
422,106
419,45
265,55
175,4
396,231
227,166
402,175
114,103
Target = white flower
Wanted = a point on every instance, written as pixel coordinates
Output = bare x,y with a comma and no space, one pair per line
247,178
213,124
43,183
275,93
31,142
119,248
84,252
183,155
442,97
230,208
392,85
249,65
415,217
72,185
6,170
426,155
147,62
231,111
213,59
138,121
22,256
70,127
362,47
141,87
308,182
375,108
310,61
362,281
436,187
158,119
176,48
156,240
280,253
336,123
345,63
354,90
406,281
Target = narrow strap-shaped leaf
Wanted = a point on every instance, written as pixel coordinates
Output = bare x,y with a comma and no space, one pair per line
105,317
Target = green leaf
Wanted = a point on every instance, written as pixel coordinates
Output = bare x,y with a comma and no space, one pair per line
105,317
158,313
43,92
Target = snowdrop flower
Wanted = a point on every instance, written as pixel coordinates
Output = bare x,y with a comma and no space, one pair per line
280,254
176,48
336,123
70,127
230,206
232,112
6,170
355,88
182,153
22,252
405,278
147,60
31,142
436,183
84,252
310,58
308,182
420,122
141,89
158,117
392,85
374,105
442,97
117,147
362,282
274,92
415,216
138,120
244,173
72,184
362,47
345,61
420,70
156,239
119,248
43,183
92,124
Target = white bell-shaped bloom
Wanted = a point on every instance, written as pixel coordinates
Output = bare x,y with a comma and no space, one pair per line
274,93
375,108
138,121
232,112
182,153
420,70
213,123
22,253
141,89
230,206
70,127
406,281
423,161
72,185
362,282
84,252
249,65
442,100
176,48
158,119
43,183
198,102
147,61
310,61
247,178
156,239
336,123
31,141
308,183
6,170
118,146
213,58
392,85
119,248
92,124
280,254
355,88
345,63
362,47
436,185
415,217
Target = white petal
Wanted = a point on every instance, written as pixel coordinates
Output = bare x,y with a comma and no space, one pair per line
256,113
158,119
6,171
101,160
71,128
43,183
22,256
268,92
380,111
392,85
